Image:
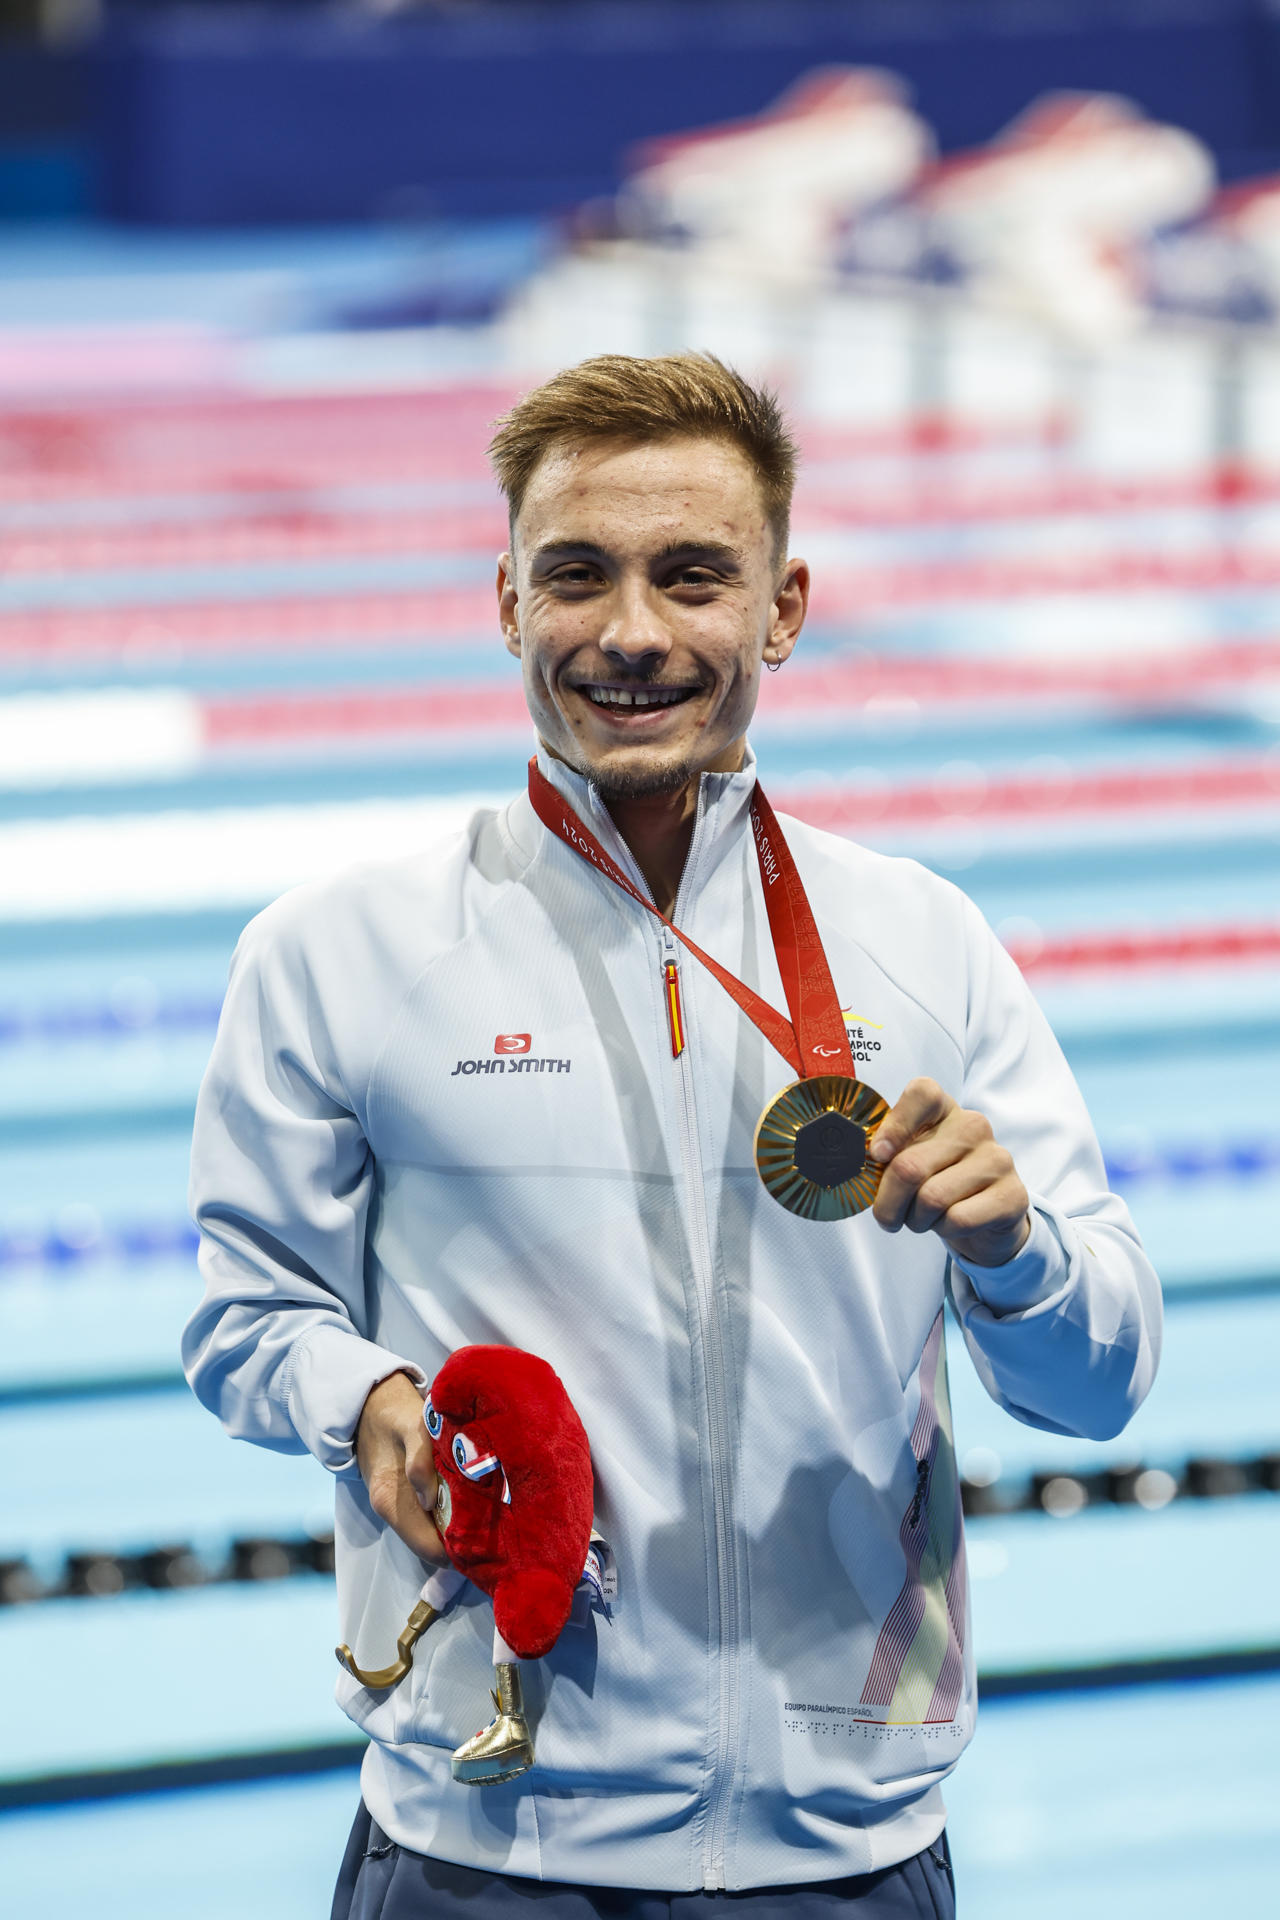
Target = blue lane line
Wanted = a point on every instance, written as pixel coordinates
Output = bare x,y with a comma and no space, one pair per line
97,1021
142,1240
199,1013
1195,1160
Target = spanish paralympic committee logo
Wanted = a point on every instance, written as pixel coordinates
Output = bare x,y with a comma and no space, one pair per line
862,1036
512,1053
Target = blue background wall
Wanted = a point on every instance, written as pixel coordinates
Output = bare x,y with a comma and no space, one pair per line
235,114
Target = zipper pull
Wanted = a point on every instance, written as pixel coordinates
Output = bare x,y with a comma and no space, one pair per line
675,1014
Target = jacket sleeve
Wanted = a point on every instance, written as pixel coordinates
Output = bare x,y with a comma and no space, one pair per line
280,1182
1066,1335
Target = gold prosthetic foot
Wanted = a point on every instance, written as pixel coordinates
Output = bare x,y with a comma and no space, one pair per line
419,1620
504,1748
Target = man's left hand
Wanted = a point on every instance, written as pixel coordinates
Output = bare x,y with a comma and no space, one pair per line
945,1173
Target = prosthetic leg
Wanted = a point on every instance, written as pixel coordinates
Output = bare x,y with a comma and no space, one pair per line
438,1590
503,1749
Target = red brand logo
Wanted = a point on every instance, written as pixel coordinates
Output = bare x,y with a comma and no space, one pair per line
513,1043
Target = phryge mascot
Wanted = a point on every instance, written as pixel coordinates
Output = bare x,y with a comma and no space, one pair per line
514,1512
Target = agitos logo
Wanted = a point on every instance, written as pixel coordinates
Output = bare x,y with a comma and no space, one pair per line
512,1053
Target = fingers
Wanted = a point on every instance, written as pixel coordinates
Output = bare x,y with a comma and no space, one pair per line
420,1467
975,1193
921,1135
990,1228
424,1484
949,1176
935,1172
395,1501
393,1452
923,1104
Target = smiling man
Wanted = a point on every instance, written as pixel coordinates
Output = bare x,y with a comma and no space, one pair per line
580,1081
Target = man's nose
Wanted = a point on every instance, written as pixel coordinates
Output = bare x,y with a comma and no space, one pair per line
636,632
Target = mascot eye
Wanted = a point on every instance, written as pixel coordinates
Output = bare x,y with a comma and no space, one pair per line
433,1420
469,1460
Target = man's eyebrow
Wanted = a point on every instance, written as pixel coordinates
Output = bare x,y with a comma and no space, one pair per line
710,552
554,550
714,552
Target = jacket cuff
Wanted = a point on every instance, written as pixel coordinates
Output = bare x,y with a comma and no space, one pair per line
1032,1276
330,1375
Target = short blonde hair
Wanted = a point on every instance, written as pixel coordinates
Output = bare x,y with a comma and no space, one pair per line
617,396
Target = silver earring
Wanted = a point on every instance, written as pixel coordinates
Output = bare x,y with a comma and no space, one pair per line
773,665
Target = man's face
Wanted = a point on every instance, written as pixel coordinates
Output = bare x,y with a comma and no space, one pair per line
641,595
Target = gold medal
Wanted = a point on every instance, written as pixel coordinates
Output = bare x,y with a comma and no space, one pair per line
811,1146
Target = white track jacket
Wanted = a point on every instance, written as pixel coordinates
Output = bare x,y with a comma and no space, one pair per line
443,1108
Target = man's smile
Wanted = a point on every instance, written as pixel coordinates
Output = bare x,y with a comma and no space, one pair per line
633,702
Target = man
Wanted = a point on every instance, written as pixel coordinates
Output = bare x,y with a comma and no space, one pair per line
488,1095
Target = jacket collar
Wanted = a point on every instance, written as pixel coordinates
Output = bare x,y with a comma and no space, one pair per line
723,803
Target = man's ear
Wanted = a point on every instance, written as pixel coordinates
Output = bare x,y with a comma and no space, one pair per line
508,617
790,604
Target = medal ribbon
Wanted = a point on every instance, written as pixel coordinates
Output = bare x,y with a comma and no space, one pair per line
814,1040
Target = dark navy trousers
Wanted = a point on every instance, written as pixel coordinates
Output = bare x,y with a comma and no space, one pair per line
381,1881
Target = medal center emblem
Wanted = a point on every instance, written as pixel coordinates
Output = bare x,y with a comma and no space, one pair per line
830,1149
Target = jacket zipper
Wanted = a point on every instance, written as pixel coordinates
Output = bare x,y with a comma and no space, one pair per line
720,1428
675,1012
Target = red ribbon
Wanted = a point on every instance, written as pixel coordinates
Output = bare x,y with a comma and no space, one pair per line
814,1040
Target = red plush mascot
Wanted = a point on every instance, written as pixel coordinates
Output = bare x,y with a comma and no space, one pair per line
514,1512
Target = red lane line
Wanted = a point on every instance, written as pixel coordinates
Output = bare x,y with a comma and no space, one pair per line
1219,783
864,590
920,501
857,681
933,435
192,405
105,435
230,723
244,443
51,435
260,472
171,631
287,535
1183,946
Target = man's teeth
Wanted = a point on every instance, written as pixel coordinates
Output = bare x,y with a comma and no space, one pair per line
650,697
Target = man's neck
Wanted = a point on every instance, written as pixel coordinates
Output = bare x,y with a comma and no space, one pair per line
658,829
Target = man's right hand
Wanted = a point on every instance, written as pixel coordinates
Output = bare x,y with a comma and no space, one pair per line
393,1452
